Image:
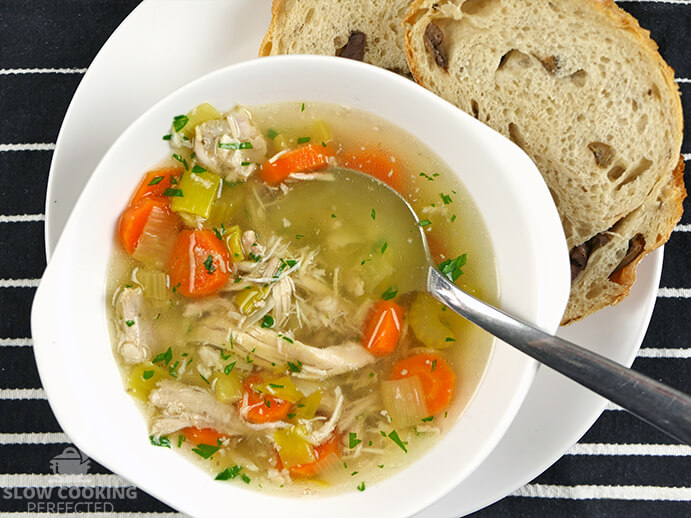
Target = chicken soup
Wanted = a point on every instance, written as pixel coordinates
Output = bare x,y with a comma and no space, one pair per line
261,297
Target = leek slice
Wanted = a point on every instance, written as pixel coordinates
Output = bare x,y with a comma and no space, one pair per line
404,400
321,133
199,191
249,300
307,407
293,448
233,239
143,379
282,388
158,239
227,387
225,206
430,322
202,113
154,284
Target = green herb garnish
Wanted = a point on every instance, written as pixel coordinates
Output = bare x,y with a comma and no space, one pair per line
198,169
373,214
229,473
272,133
395,438
167,137
353,441
228,368
162,441
304,140
181,160
209,264
424,223
361,487
164,357
156,180
445,198
268,321
180,121
129,323
147,374
205,450
235,145
173,192
295,367
390,293
451,268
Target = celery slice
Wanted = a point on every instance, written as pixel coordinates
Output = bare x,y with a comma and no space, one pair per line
199,191
202,113
404,400
293,447
224,207
430,323
282,388
143,379
307,407
321,133
154,284
248,300
158,239
227,386
233,239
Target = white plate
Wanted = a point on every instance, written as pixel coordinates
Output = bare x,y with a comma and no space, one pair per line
142,62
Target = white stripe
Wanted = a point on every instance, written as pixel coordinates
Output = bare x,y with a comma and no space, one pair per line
19,71
674,293
611,407
22,218
651,352
34,438
22,394
687,156
28,147
16,342
683,228
38,480
121,514
682,494
683,80
653,450
19,283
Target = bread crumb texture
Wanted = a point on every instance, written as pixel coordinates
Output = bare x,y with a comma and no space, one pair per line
580,86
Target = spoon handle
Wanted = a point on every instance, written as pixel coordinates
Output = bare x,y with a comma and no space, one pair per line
659,405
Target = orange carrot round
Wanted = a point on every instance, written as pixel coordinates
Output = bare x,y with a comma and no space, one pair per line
382,328
156,182
375,162
200,263
261,408
436,376
321,452
301,160
133,219
202,435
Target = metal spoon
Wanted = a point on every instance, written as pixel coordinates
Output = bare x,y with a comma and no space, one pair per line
660,405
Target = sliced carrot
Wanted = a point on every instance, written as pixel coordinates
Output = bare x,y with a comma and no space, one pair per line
436,375
202,435
301,160
375,162
382,328
261,408
321,452
200,263
156,182
133,219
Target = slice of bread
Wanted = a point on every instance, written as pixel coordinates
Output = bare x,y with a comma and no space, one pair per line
370,31
582,89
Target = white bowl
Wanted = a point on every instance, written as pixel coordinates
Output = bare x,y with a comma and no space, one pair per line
70,334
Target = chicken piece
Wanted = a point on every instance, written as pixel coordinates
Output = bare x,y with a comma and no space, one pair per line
268,348
136,337
324,432
184,405
250,244
233,146
281,293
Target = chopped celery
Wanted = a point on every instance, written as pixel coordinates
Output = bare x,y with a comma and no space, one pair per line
321,133
227,386
293,448
282,388
154,284
202,113
233,239
158,239
430,323
199,191
224,207
404,400
307,407
248,300
143,379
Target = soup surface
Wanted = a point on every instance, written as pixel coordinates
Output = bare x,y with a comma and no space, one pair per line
262,298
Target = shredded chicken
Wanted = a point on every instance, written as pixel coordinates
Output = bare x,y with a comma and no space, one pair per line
136,336
232,146
324,432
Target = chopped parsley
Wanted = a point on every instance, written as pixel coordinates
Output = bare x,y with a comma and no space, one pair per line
202,377
180,121
451,268
427,419
424,223
285,263
449,339
295,367
276,385
299,236
302,109
198,169
453,218
205,450
272,133
173,180
434,365
181,160
245,478
161,441
245,163
228,368
235,145
395,438
304,140
173,369
181,439
229,473
167,137
373,214
255,258
390,293
173,192
268,321
209,264
164,357
147,374
384,247
289,340
129,323
361,487
156,180
353,441
427,176
220,233
445,198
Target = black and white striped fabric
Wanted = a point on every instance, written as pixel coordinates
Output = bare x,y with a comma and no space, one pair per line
621,467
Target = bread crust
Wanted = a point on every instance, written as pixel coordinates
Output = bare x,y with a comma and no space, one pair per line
588,294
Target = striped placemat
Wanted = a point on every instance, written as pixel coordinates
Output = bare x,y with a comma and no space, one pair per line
621,467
